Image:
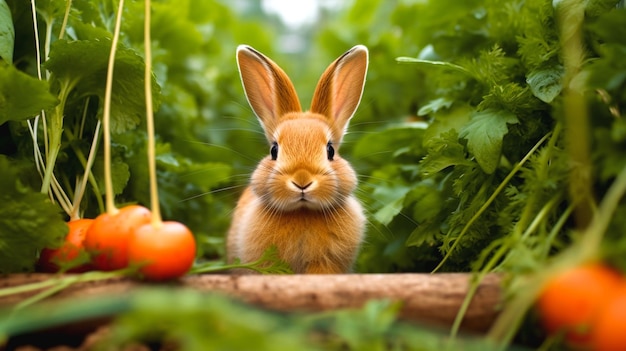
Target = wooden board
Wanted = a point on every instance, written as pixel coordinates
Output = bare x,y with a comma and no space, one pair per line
433,299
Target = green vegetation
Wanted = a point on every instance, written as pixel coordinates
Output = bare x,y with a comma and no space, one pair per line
487,138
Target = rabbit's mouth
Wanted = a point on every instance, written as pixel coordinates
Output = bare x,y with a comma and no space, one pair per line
304,201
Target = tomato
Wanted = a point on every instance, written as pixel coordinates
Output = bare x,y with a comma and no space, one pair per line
68,255
609,330
162,252
571,301
107,238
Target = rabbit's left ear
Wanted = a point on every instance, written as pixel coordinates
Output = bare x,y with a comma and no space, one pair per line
339,90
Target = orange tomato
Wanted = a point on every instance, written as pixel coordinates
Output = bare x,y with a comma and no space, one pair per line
52,260
571,302
108,237
609,330
162,252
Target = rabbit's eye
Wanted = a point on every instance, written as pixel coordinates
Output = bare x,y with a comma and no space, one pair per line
274,151
330,151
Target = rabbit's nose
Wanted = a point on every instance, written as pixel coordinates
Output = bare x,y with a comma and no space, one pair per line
302,180
301,187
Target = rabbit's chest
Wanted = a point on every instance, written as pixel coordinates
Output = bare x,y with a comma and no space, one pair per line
309,241
307,234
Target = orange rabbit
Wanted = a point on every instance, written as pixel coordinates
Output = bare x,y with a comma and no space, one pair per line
300,196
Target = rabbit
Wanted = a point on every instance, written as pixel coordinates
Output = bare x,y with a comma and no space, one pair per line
300,197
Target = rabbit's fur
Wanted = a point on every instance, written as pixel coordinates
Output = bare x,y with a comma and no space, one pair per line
300,196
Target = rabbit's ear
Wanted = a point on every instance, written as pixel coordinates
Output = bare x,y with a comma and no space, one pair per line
269,91
339,90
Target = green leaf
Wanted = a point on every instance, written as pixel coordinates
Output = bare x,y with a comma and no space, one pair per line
426,199
443,151
609,70
538,39
434,64
595,8
51,9
434,106
82,65
28,219
445,120
120,173
484,134
7,33
365,329
393,197
492,67
609,28
22,96
511,97
545,84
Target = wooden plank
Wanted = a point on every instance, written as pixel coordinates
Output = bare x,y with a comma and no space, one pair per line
432,299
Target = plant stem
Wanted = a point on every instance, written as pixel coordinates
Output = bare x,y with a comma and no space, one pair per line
36,33
55,132
541,216
157,221
33,127
80,191
54,285
592,237
68,6
108,182
48,41
534,200
61,196
571,16
81,127
583,250
556,229
84,160
491,199
478,277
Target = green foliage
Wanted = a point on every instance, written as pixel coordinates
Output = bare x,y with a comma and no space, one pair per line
487,78
268,263
545,84
22,96
199,117
87,71
7,33
29,220
190,320
484,134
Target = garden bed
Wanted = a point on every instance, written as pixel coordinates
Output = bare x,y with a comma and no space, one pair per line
427,299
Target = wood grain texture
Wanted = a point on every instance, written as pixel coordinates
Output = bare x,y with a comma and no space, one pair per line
432,299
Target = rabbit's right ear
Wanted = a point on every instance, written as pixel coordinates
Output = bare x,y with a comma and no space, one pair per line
269,91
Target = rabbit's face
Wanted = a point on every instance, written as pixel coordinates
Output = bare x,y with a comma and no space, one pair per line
303,169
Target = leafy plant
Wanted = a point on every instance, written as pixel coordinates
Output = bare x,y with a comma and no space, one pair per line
491,166
60,106
24,216
191,320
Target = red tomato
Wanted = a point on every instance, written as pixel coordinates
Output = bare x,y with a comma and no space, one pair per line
164,252
609,330
107,238
51,260
571,301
